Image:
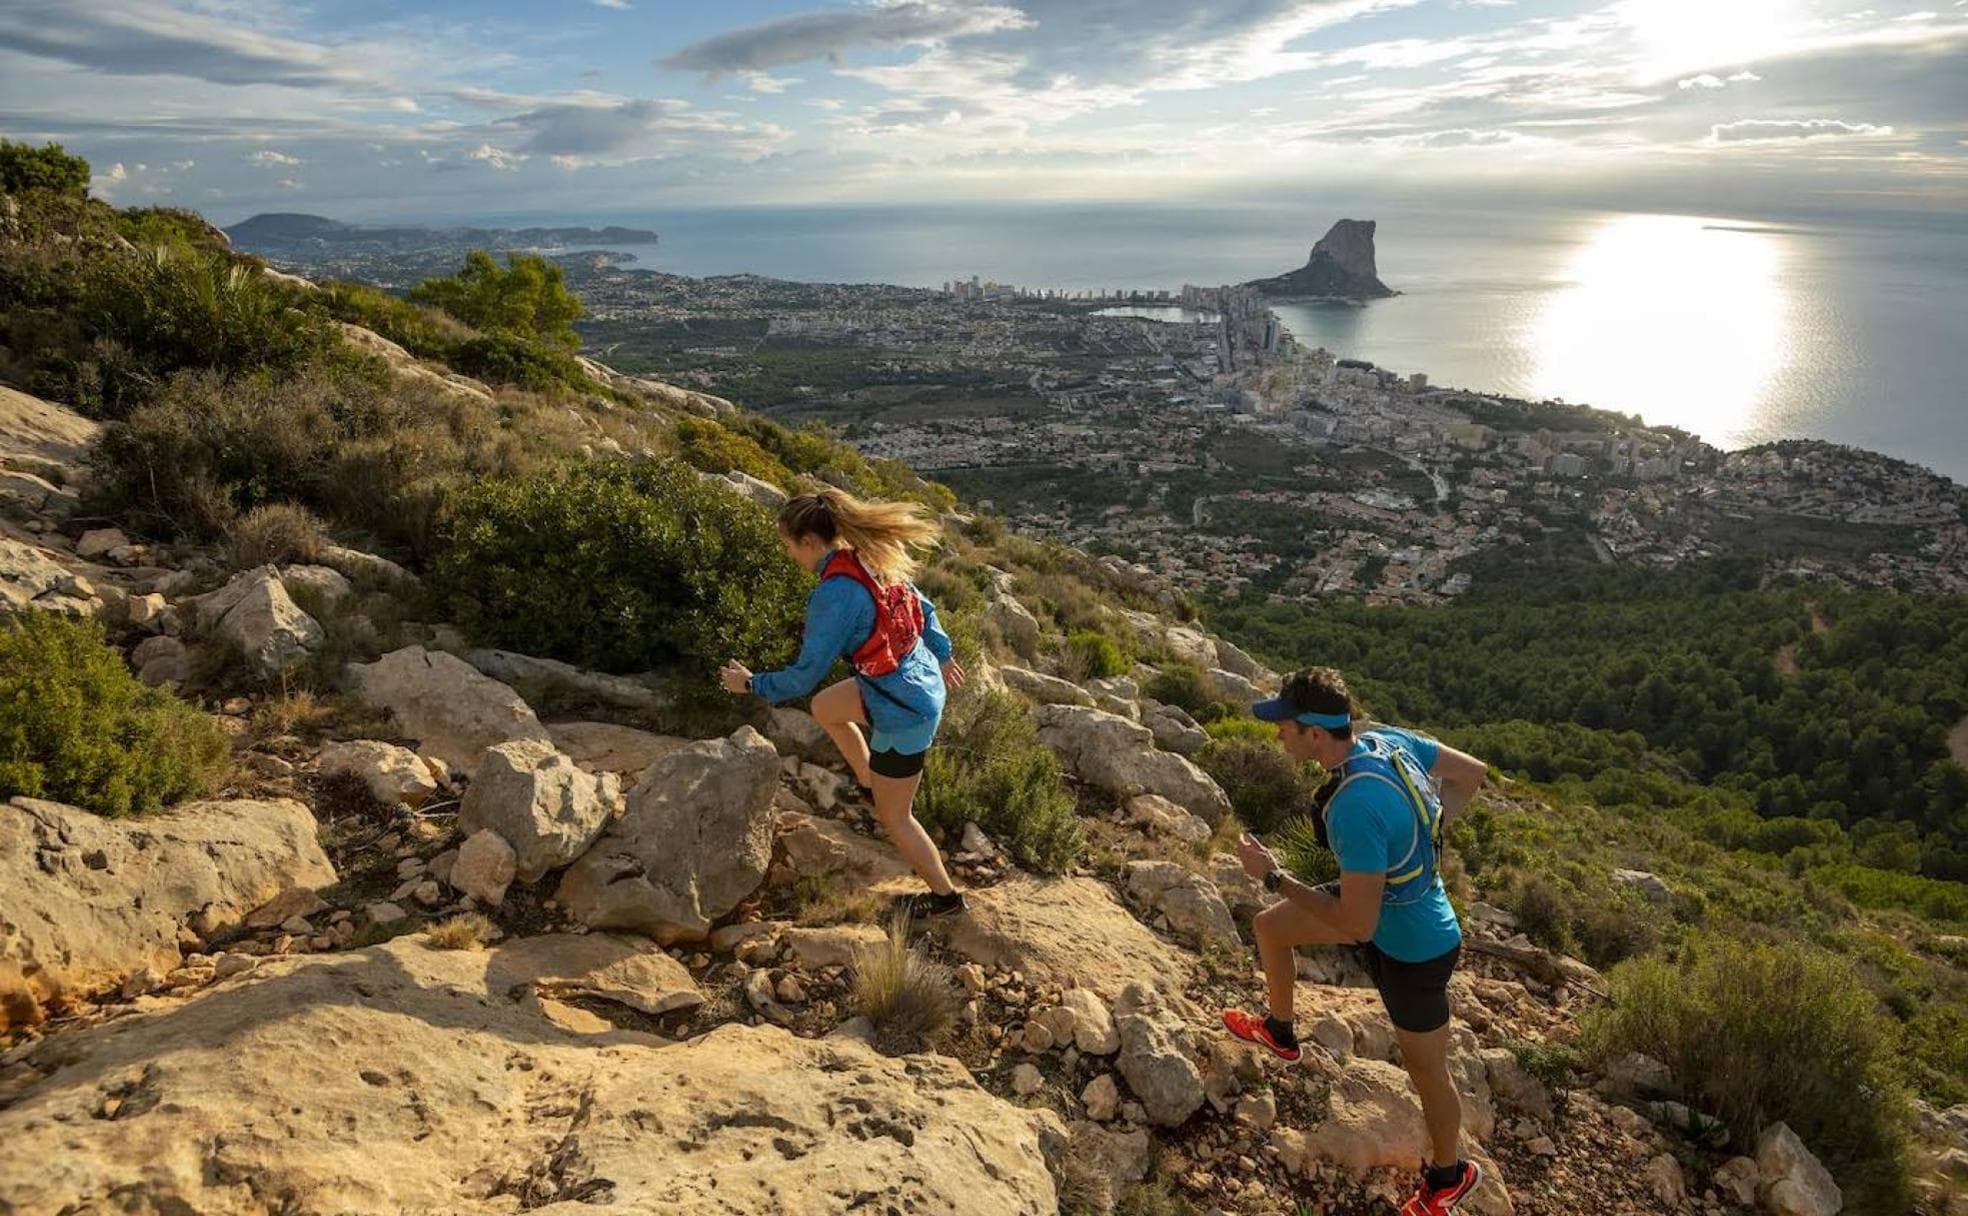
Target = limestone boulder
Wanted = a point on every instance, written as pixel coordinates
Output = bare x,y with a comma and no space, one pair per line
1118,756
828,848
1651,887
795,733
606,747
1232,688
1041,927
85,902
540,680
327,584
1156,1058
365,567
161,660
401,1078
1195,911
695,840
256,616
392,774
30,574
452,710
1174,730
831,945
1375,1123
1018,626
1233,659
1044,689
1093,1022
1157,815
1793,1182
545,806
484,867
1191,646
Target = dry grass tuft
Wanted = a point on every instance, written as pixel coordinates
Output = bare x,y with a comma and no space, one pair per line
276,533
295,711
911,999
468,932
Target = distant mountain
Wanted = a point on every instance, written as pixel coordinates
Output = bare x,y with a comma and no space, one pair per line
290,232
1341,264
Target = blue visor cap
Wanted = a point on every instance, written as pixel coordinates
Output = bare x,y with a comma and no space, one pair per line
1278,709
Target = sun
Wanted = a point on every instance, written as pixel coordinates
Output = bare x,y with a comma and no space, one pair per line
1677,36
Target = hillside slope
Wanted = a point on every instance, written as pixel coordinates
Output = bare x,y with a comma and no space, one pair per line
527,986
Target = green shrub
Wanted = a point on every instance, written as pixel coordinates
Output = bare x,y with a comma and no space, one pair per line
1183,685
1266,787
1759,1034
1242,727
149,227
77,727
424,332
706,445
624,566
505,358
528,297
1099,655
24,167
1296,845
991,769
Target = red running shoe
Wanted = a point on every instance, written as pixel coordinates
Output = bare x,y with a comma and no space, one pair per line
1428,1201
1251,1028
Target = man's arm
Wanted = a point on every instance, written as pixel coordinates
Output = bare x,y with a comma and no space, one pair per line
1356,913
1459,775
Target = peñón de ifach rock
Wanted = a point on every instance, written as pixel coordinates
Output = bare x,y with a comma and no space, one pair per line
1341,264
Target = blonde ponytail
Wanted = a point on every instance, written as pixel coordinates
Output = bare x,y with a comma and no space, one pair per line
881,532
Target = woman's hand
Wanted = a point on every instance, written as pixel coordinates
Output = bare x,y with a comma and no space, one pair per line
735,677
953,674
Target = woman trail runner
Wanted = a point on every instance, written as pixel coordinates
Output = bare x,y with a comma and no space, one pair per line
866,610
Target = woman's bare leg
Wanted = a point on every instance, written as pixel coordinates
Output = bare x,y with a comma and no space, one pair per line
838,710
895,799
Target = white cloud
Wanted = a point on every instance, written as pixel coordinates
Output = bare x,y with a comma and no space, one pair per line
761,82
156,40
1744,77
498,158
268,156
1766,130
1706,80
288,183
617,5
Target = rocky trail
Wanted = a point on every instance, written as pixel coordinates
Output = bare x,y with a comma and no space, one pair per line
279,1000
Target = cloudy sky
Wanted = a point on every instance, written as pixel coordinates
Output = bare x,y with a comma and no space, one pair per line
413,109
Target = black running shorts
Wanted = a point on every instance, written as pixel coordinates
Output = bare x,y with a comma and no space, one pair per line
1416,994
898,765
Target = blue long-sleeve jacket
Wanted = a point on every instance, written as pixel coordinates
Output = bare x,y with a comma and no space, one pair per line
840,614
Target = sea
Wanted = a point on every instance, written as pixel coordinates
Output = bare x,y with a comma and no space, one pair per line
1850,327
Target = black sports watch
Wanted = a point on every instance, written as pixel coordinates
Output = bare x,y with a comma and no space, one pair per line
1273,879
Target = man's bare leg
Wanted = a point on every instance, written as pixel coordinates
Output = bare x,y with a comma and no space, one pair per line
838,710
1279,929
1427,1059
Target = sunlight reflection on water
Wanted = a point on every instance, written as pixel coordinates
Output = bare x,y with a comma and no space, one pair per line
1681,321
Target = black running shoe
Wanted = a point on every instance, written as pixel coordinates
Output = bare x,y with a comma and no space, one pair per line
929,906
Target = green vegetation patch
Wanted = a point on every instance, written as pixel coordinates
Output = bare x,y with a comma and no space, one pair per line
77,727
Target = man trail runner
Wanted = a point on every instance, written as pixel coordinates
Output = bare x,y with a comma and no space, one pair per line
1382,808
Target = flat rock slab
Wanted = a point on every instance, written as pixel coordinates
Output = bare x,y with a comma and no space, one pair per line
402,1078
628,970
605,747
86,902
1067,931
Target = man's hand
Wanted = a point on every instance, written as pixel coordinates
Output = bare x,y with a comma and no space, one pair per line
735,677
1257,859
953,674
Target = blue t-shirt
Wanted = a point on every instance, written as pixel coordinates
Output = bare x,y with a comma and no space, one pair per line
905,705
1372,828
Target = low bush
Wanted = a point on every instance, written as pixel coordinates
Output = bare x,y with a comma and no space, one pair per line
1183,685
424,332
504,358
714,449
276,533
1242,727
471,931
527,298
1266,787
1100,656
25,167
1296,845
622,566
990,768
1760,1034
911,999
77,727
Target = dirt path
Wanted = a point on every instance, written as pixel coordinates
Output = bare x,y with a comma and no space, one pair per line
1958,743
1785,660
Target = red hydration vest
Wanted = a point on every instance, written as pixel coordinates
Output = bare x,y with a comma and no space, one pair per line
898,616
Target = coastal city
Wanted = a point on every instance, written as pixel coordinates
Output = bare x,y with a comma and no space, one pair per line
1184,433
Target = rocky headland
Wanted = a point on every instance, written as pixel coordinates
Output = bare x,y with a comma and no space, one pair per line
1340,266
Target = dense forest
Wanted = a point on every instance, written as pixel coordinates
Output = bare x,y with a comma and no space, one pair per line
1815,705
